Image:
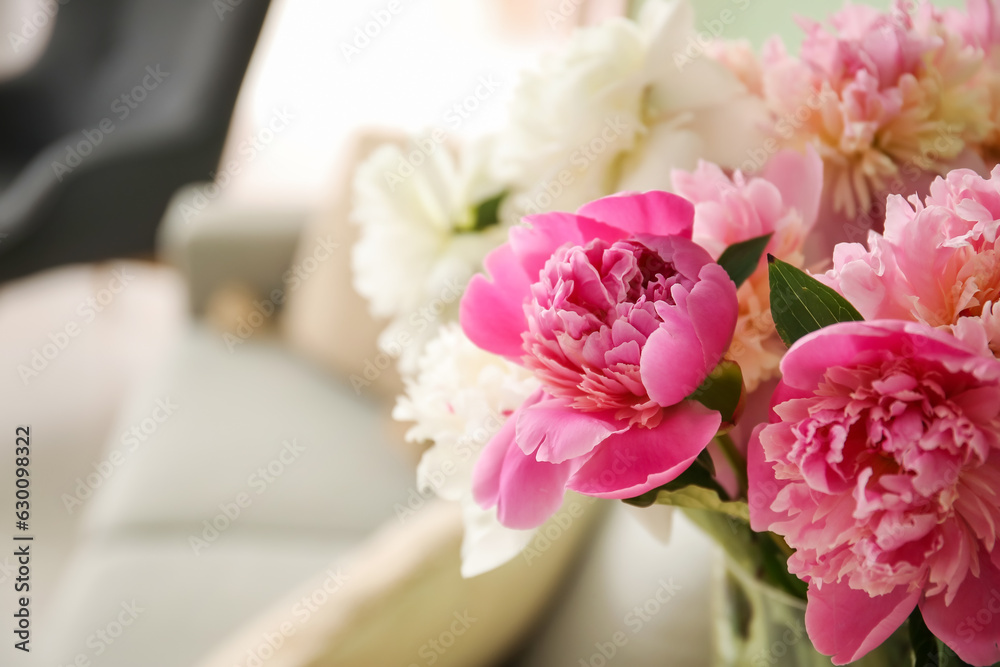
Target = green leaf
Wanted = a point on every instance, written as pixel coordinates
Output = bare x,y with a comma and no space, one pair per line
699,498
755,553
700,473
740,260
722,390
487,213
800,304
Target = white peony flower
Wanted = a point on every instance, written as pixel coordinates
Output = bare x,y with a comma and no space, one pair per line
458,399
419,242
620,107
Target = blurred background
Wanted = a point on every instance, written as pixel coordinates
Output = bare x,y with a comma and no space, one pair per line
178,328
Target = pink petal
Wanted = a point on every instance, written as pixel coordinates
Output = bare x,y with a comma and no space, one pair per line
832,346
782,393
534,245
799,178
983,21
530,491
836,345
841,345
703,184
713,309
671,364
628,464
764,486
553,431
847,624
970,626
492,313
654,212
486,472
525,492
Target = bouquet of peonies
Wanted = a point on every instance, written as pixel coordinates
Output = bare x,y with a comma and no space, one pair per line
706,330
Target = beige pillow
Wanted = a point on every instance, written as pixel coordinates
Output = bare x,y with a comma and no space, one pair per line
325,319
400,601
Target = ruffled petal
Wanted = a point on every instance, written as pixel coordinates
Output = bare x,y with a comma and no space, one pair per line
763,485
844,344
534,244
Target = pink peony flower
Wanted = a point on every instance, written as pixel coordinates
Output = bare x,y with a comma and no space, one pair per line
782,201
938,261
979,27
881,467
621,317
882,99
979,24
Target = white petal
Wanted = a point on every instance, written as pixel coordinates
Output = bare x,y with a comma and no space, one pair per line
488,544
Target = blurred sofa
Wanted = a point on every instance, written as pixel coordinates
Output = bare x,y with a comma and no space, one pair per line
263,511
129,100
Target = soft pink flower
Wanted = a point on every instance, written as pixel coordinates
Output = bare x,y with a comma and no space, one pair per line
621,317
881,467
938,261
882,99
979,27
783,201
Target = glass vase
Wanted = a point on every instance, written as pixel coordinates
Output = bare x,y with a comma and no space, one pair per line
757,625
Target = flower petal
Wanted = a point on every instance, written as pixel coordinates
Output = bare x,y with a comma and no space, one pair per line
487,544
534,245
486,473
764,486
970,625
668,382
847,624
713,309
554,431
628,464
844,344
530,491
492,312
799,178
655,212
525,491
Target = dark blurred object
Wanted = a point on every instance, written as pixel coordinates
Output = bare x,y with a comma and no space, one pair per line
131,100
